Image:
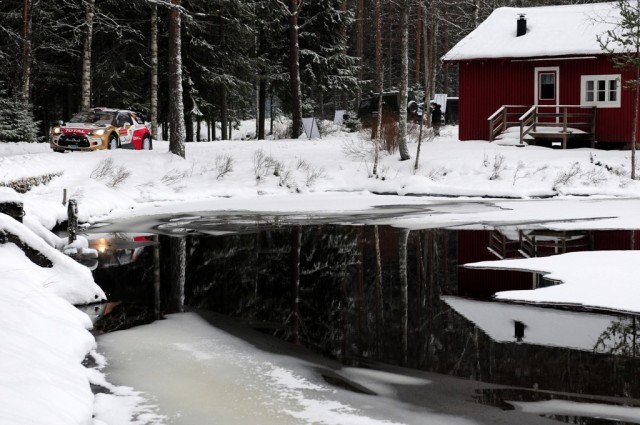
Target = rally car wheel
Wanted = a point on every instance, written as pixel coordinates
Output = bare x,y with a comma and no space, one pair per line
113,142
146,143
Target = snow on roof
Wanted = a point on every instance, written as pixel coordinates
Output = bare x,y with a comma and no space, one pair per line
543,326
551,31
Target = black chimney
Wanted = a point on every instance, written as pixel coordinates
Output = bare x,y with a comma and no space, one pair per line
522,26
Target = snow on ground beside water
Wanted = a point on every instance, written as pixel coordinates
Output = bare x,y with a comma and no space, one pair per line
314,176
447,168
44,338
243,384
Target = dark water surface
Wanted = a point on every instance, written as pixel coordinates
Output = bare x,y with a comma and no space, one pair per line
367,294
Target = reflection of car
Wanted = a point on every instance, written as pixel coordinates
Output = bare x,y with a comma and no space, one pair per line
118,250
101,128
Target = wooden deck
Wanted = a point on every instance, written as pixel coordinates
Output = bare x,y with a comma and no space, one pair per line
538,243
556,123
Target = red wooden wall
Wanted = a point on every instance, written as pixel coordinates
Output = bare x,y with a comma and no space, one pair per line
482,284
486,85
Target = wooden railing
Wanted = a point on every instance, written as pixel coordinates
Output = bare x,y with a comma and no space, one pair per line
565,120
540,243
506,116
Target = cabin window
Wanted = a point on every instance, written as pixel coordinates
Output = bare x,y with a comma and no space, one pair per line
547,86
602,91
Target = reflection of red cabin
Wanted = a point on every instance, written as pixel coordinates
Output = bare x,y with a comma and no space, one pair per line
555,72
476,245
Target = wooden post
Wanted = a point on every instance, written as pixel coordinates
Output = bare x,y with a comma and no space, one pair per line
72,220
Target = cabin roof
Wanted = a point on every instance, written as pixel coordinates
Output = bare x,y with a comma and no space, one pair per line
569,30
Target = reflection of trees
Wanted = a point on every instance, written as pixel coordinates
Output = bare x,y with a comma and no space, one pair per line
620,338
372,293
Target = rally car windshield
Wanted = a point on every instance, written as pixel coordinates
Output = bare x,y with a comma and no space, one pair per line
93,117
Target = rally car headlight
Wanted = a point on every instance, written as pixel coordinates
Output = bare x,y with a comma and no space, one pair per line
98,132
56,130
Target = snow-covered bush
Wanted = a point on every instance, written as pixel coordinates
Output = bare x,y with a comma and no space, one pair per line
25,184
224,165
107,171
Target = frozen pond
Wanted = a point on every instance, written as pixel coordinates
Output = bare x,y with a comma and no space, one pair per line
198,373
371,299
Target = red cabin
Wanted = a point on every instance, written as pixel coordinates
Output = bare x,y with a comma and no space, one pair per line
539,74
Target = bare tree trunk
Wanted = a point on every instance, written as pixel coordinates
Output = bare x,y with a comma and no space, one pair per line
224,120
380,77
295,281
176,107
404,80
153,102
426,116
294,68
418,43
379,309
157,308
404,291
359,46
188,109
636,96
475,12
262,109
178,263
430,70
26,49
262,91
86,56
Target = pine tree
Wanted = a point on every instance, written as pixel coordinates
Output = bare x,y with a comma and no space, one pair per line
326,66
16,119
219,54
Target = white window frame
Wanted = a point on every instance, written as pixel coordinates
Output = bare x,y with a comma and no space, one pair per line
536,83
607,103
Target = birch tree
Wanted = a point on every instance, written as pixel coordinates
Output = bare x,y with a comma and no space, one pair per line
404,79
623,44
176,108
86,54
380,80
295,6
26,49
153,101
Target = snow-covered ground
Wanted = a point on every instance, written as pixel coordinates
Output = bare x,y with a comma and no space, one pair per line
462,184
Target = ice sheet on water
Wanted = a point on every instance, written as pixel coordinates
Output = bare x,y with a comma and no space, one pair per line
198,373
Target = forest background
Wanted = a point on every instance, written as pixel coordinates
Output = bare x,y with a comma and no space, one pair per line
60,56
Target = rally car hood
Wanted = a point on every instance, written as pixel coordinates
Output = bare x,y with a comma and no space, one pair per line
79,128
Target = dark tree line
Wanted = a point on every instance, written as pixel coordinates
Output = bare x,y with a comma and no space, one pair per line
313,56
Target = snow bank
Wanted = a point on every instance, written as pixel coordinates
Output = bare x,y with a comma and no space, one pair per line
44,337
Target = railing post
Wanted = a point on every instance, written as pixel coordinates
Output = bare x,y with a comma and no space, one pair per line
490,129
564,118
